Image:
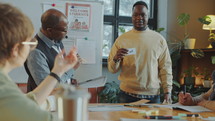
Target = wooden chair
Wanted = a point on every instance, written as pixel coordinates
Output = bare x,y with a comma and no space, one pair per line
94,94
23,87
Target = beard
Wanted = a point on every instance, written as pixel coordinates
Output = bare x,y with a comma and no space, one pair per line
140,28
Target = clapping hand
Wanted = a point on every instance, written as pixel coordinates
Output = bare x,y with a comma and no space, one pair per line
64,63
80,60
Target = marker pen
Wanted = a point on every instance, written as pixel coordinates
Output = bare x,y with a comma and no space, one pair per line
184,89
162,117
136,105
188,115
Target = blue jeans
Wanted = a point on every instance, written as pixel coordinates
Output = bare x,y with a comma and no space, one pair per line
125,98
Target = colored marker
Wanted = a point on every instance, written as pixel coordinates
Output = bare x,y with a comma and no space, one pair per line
162,117
188,115
136,105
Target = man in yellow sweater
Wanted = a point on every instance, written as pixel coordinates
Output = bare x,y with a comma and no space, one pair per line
144,60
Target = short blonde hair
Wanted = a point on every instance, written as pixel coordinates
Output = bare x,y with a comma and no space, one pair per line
15,28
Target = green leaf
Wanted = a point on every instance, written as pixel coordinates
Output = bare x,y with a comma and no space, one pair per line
197,53
213,59
159,30
205,20
122,29
110,93
183,19
176,83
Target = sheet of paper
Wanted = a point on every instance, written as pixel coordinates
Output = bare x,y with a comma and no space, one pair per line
191,108
131,51
68,44
108,108
139,102
187,108
208,119
127,119
100,120
87,51
92,83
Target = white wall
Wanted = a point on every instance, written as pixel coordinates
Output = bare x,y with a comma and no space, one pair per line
168,10
33,9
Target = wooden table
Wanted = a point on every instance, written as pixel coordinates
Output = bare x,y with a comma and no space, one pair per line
116,115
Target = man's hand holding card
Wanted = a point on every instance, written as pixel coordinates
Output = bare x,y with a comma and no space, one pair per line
131,51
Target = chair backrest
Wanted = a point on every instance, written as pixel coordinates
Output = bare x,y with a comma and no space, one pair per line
94,94
23,87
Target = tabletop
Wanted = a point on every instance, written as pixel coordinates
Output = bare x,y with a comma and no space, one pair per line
116,115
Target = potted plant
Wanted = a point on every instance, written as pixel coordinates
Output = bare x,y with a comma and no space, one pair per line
110,93
183,20
206,78
175,44
176,88
206,75
190,75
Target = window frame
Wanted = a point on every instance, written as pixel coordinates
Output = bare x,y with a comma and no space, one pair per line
115,20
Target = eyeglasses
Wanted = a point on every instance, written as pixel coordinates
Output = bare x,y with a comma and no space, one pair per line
33,43
60,29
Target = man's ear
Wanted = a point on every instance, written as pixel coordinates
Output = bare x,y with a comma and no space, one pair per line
15,50
49,30
48,33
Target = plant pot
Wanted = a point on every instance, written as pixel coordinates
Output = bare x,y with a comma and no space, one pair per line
189,81
207,83
189,43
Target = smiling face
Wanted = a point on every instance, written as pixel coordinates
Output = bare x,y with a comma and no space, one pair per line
54,24
59,31
140,17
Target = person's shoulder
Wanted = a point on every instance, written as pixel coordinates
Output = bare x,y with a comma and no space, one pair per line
156,34
36,53
7,84
3,78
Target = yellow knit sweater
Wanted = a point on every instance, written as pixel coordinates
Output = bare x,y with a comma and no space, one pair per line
150,67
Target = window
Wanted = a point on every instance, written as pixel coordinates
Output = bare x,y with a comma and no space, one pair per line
117,16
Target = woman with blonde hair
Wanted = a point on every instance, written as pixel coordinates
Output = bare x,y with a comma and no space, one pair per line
16,31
